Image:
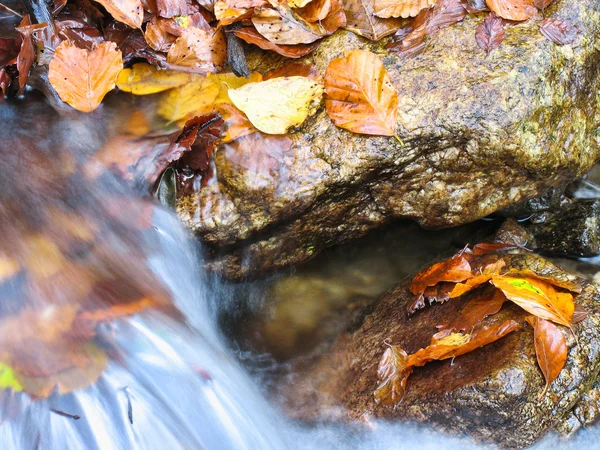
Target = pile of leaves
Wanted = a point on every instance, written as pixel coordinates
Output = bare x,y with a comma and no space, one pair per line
548,300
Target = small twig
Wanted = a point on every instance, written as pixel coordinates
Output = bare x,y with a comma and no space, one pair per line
3,6
398,139
65,414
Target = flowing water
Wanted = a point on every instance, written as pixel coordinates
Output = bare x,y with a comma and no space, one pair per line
174,379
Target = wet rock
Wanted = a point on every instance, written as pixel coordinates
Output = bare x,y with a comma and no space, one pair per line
481,133
572,230
490,394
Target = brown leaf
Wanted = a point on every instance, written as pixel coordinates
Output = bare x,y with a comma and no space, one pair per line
484,248
9,49
296,69
538,298
315,11
455,269
172,8
251,36
490,33
482,306
559,31
550,348
200,50
359,94
513,9
400,8
236,124
26,55
82,78
361,19
283,27
130,12
393,374
487,273
579,314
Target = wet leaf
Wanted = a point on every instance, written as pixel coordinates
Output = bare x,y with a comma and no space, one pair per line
296,68
359,94
82,78
183,101
559,31
455,269
569,283
200,50
144,79
401,8
276,105
393,374
26,55
130,12
361,19
283,27
172,8
485,304
251,36
236,123
550,349
538,298
579,314
490,33
487,273
517,10
485,248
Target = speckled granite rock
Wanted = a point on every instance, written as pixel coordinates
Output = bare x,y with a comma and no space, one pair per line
481,133
490,394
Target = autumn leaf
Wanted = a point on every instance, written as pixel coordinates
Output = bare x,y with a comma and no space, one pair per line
517,10
144,79
283,27
276,105
568,282
484,248
538,298
251,36
359,94
130,12
477,309
82,78
400,8
296,68
455,269
559,31
200,50
490,33
361,19
579,314
487,273
172,8
316,10
550,349
393,373
236,124
185,100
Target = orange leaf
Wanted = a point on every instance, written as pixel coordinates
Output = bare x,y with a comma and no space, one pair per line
393,373
570,284
550,349
538,298
488,272
130,12
454,269
486,304
82,78
401,8
484,248
513,9
359,94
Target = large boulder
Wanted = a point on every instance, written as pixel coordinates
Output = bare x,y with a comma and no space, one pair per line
481,133
491,394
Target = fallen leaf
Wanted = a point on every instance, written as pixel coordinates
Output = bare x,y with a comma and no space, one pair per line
361,19
82,78
296,68
315,11
144,79
486,274
484,248
137,125
538,298
400,8
283,27
172,8
567,282
455,269
439,293
130,12
181,102
559,31
251,36
359,95
516,10
393,374
276,105
550,349
579,314
490,33
200,50
483,305
26,55
236,124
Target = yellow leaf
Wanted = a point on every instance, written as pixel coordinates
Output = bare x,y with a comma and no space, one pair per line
226,81
8,379
194,96
144,79
401,8
274,106
81,77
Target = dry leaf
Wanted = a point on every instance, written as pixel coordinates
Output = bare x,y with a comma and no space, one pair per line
550,349
579,314
144,79
276,105
82,78
490,34
361,19
316,10
200,50
130,12
513,9
538,298
400,8
359,94
296,68
559,31
251,36
282,27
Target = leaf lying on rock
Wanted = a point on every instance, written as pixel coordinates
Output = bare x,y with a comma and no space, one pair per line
361,19
482,306
487,273
483,248
82,78
517,10
559,31
359,94
490,33
395,367
144,79
251,36
400,8
276,105
550,349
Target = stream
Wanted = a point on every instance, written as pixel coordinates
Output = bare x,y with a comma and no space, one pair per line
205,379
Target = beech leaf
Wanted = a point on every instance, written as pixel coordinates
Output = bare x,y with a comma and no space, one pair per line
81,77
482,306
559,31
487,273
393,373
359,94
455,269
130,12
282,27
276,105
251,36
490,33
200,50
550,349
400,8
144,79
361,19
517,10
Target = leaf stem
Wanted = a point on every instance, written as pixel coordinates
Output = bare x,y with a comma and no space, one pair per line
3,6
398,139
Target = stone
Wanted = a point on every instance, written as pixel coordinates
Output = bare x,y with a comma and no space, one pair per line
491,394
480,132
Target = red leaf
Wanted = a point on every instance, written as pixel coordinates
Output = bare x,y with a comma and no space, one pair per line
559,31
490,34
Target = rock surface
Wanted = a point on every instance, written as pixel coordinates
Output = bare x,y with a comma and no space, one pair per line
481,133
490,394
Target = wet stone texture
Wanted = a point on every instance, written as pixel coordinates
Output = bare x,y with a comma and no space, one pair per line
490,394
481,133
